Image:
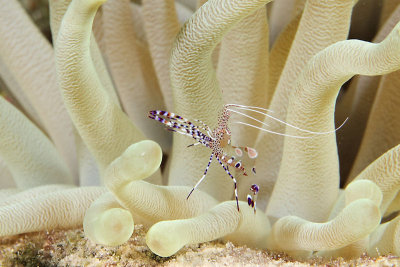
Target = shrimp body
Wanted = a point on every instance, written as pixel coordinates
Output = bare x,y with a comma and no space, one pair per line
218,140
221,146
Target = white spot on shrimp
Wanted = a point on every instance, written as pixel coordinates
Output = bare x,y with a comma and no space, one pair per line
252,153
238,152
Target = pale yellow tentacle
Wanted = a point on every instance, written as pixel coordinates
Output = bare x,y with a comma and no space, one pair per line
132,70
30,59
317,30
308,180
103,126
162,26
31,158
195,87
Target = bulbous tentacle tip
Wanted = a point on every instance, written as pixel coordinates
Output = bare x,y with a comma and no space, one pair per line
222,221
139,161
162,242
363,189
147,155
356,221
112,227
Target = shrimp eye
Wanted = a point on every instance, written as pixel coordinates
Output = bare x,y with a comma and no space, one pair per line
237,165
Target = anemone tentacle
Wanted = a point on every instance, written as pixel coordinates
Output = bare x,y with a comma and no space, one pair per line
220,54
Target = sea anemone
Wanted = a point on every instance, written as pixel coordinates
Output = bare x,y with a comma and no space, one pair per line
113,67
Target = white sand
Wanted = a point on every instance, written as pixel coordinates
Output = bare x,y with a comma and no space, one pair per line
70,247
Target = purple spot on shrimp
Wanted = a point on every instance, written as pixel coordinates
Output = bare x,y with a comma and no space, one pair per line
254,188
249,200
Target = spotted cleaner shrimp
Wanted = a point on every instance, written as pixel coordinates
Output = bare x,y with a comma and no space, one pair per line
219,141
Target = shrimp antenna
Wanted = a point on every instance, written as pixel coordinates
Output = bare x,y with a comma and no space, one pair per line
250,107
254,109
272,132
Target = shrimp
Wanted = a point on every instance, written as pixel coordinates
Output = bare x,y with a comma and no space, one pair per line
219,141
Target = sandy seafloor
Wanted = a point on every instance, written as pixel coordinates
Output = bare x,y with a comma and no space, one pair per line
71,248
